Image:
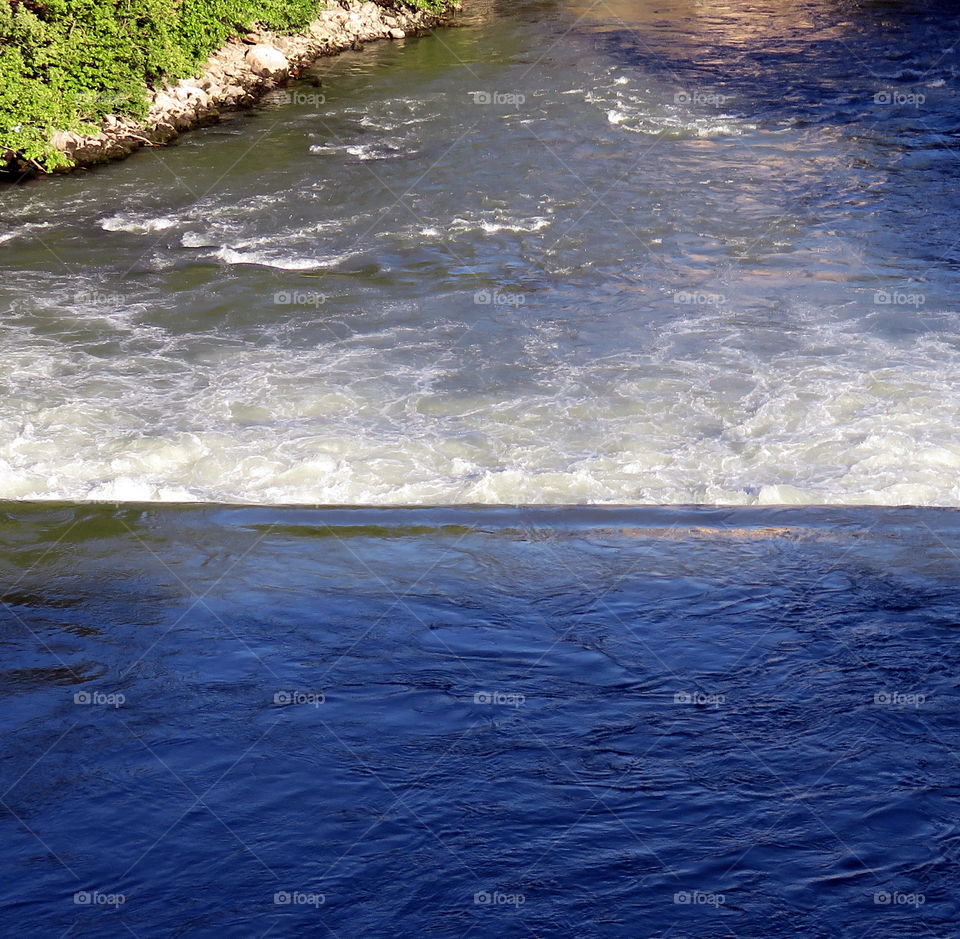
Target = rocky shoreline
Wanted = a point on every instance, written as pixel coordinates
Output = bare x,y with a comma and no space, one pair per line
236,76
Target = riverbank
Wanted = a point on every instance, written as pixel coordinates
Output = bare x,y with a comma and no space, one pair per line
236,75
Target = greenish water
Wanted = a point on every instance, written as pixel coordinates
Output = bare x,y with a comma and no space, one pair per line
629,254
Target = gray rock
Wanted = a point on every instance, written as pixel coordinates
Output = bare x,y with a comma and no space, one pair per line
164,103
233,92
267,61
66,140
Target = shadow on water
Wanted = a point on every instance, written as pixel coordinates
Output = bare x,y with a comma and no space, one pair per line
493,721
820,62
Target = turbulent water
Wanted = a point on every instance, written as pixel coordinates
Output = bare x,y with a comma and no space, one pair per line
628,253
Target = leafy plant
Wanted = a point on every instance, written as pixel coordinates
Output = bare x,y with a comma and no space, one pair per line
66,64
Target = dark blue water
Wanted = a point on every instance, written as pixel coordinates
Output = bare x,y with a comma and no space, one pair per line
491,722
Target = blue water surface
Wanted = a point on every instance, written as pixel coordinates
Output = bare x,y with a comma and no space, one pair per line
479,722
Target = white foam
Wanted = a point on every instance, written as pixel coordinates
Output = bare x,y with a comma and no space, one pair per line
492,222
191,239
264,259
531,225
24,229
373,152
137,225
657,112
364,151
691,419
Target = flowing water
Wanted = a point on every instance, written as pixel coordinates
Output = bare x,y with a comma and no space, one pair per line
479,722
621,252
624,252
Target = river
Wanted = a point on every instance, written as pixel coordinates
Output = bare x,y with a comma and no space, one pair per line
564,253
481,722
628,253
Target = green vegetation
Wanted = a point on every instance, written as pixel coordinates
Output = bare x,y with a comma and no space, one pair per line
65,64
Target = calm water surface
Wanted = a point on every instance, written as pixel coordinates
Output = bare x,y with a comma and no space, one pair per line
479,722
618,252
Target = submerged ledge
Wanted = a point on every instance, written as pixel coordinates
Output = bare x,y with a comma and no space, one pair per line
234,77
675,522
